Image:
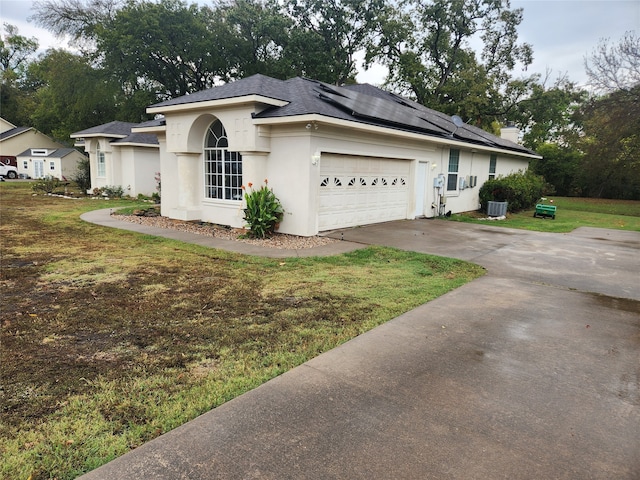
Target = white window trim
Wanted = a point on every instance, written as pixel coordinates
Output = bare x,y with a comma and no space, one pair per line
101,163
493,159
450,172
227,159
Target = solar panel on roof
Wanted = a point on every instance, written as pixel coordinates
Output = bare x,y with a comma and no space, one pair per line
380,110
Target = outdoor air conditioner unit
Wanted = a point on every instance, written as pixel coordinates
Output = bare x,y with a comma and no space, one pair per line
497,209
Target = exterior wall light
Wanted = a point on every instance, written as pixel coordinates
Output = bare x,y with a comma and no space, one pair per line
315,158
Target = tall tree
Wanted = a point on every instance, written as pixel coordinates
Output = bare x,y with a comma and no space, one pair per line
427,47
16,51
254,35
76,19
615,67
72,94
164,48
544,113
611,140
327,36
611,143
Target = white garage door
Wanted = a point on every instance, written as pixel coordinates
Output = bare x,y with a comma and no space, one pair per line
361,190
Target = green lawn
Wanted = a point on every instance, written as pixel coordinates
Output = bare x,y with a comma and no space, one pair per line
571,213
111,338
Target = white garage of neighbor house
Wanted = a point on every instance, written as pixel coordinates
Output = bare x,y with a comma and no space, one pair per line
335,156
61,163
119,157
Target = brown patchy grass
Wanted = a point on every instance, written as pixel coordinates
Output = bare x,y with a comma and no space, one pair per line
110,338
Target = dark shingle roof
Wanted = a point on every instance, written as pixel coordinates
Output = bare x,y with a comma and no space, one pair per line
357,103
114,128
122,133
156,122
62,152
140,138
254,85
13,132
57,153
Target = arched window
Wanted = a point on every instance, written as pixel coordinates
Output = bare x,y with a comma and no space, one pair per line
222,168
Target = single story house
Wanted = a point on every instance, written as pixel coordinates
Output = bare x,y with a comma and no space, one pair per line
61,163
335,156
120,157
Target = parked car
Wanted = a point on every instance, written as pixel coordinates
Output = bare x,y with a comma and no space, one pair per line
8,171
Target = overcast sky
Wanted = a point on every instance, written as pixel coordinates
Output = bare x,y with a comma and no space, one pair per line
562,32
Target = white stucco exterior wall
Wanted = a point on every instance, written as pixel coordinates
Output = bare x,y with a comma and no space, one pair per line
132,167
282,151
138,166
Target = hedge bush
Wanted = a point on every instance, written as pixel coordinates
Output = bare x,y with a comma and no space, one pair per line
521,190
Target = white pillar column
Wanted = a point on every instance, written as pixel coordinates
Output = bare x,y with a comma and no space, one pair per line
189,180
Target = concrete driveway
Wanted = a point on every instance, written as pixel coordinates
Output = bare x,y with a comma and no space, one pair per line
531,372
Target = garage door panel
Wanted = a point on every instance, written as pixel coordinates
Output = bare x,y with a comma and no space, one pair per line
362,190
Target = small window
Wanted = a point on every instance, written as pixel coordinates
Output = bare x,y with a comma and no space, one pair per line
492,166
102,165
452,174
52,165
25,165
39,152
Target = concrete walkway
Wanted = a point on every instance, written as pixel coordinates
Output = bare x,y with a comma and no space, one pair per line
531,372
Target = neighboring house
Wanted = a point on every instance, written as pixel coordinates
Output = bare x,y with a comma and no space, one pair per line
15,140
335,156
61,163
121,158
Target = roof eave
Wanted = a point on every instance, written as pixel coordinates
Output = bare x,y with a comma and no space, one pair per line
136,144
222,102
96,135
154,129
389,131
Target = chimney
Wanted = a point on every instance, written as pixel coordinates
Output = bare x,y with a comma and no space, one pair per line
511,133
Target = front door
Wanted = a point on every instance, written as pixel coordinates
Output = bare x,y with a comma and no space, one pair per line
38,169
421,192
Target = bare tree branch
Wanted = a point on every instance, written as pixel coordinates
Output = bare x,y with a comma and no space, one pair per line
615,67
